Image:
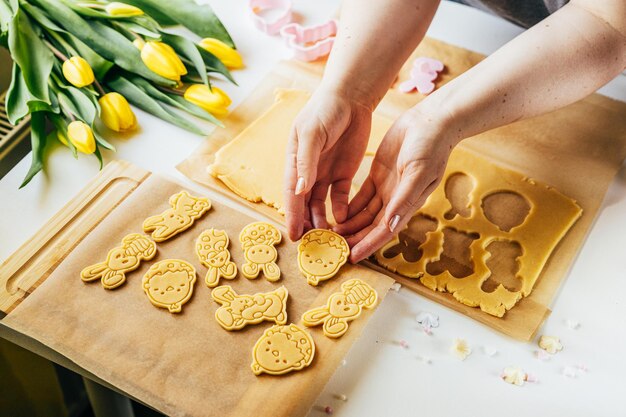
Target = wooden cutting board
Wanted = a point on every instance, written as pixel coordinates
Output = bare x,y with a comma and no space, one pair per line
32,263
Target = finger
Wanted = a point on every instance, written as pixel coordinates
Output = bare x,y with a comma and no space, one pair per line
408,197
374,238
339,195
362,219
362,198
310,143
294,204
317,205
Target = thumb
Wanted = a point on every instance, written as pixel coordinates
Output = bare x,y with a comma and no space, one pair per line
310,143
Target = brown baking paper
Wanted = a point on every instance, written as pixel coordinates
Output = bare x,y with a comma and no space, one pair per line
577,150
181,364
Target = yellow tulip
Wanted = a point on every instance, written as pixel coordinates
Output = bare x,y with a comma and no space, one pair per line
214,101
115,112
162,59
122,9
78,72
229,56
139,43
81,137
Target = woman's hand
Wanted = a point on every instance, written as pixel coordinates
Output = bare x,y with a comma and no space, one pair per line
326,147
408,165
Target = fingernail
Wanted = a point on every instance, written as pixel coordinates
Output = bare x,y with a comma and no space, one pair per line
394,223
299,186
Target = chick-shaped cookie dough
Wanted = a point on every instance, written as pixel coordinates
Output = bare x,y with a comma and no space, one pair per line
212,249
169,284
258,240
341,308
320,255
185,210
237,310
125,258
282,349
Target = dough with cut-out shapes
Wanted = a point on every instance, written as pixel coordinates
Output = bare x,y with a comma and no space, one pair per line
185,210
169,284
239,310
212,249
282,349
531,214
342,307
258,240
135,248
320,255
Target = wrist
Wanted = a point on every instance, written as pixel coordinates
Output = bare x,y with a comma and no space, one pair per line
357,94
436,121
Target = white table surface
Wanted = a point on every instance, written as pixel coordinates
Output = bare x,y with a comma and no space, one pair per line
380,378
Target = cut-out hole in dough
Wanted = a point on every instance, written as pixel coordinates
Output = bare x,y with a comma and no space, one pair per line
411,238
456,256
506,209
457,189
503,265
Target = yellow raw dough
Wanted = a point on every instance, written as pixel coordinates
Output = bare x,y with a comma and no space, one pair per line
282,349
342,307
252,164
212,249
169,284
550,217
258,240
125,258
239,310
321,253
185,210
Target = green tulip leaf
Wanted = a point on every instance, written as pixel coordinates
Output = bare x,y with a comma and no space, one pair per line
31,54
38,144
98,156
101,140
19,101
141,99
200,19
213,64
104,40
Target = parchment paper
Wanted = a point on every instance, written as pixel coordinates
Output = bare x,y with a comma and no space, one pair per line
181,364
577,150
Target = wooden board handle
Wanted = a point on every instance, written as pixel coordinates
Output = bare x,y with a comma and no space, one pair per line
33,262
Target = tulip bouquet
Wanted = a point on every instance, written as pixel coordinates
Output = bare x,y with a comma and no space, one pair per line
77,62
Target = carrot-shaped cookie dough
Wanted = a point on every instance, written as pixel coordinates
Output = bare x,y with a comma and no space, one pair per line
237,310
282,349
258,240
212,249
169,284
185,210
341,308
125,258
320,255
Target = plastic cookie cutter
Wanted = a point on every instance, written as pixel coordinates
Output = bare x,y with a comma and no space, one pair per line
425,70
310,43
239,310
270,16
341,308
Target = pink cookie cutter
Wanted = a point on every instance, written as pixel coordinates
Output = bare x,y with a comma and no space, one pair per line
270,15
424,72
310,43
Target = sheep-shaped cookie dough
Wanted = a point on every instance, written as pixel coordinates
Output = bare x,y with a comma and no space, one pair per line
258,240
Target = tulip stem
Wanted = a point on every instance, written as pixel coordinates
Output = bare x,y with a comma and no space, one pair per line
55,51
99,87
171,90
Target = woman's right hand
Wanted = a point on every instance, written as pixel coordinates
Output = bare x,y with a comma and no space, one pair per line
326,146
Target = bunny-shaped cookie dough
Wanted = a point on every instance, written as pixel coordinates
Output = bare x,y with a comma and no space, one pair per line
258,240
237,310
342,308
125,258
212,249
185,210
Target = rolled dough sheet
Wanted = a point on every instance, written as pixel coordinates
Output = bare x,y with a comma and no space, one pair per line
252,164
498,206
